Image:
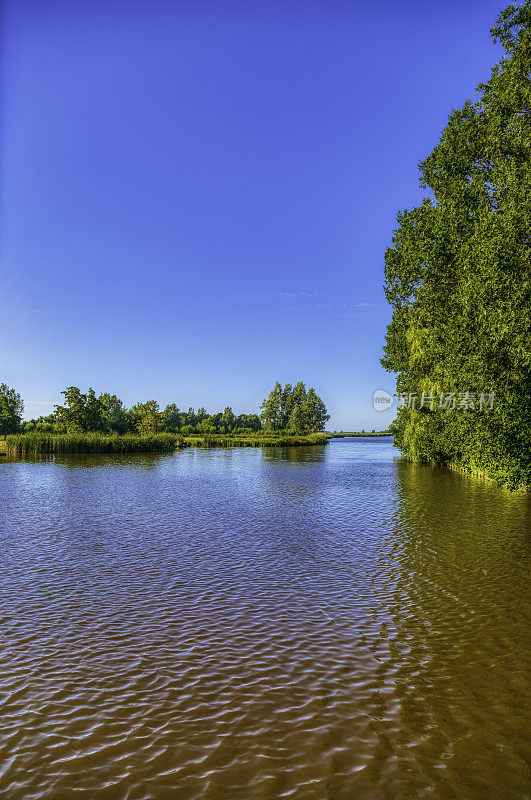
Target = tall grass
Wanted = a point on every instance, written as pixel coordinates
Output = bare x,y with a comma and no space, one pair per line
358,434
256,440
23,444
35,442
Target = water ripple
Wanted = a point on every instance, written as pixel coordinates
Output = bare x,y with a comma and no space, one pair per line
301,623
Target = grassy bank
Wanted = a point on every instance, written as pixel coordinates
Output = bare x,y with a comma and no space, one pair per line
27,444
342,435
23,444
258,440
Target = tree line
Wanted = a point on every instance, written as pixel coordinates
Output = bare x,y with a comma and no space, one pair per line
285,409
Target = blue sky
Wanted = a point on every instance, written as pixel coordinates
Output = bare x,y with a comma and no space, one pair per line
196,197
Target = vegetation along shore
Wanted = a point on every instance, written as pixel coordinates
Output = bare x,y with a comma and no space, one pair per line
87,423
28,444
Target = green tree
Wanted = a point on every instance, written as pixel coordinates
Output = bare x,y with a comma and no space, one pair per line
228,420
314,411
11,409
72,413
94,411
171,418
293,408
114,414
250,422
458,278
298,423
299,394
80,412
271,415
201,414
147,416
286,405
207,425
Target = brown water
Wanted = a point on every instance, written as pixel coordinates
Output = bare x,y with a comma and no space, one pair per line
320,623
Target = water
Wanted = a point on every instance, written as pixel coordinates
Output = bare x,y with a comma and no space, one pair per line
320,623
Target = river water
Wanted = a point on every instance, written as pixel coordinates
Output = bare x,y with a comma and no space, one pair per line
326,623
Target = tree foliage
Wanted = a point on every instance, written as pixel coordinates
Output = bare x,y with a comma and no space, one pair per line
11,409
458,277
82,412
294,409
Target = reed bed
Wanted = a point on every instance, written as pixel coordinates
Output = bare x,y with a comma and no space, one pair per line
25,444
266,440
35,442
358,434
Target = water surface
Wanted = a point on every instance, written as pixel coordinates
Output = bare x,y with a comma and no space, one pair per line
322,623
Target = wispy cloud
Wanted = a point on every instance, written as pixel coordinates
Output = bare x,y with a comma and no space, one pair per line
344,306
304,299
305,295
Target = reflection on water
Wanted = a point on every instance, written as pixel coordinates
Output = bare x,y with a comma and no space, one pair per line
299,622
294,454
77,460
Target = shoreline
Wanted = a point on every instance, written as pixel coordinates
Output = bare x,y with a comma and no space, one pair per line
29,444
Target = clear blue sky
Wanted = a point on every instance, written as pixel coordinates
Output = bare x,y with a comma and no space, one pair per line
196,197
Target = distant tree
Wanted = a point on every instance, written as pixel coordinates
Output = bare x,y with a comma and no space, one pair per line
286,405
250,422
271,415
299,394
94,410
171,418
201,414
228,420
207,425
298,423
315,412
72,413
45,427
294,408
148,417
114,414
11,409
80,412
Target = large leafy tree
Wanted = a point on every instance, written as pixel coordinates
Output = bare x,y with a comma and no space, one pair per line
228,420
271,416
171,418
315,412
114,413
148,418
80,412
294,409
458,277
11,409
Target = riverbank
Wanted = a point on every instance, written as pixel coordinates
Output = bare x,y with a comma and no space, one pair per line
23,444
344,435
258,440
